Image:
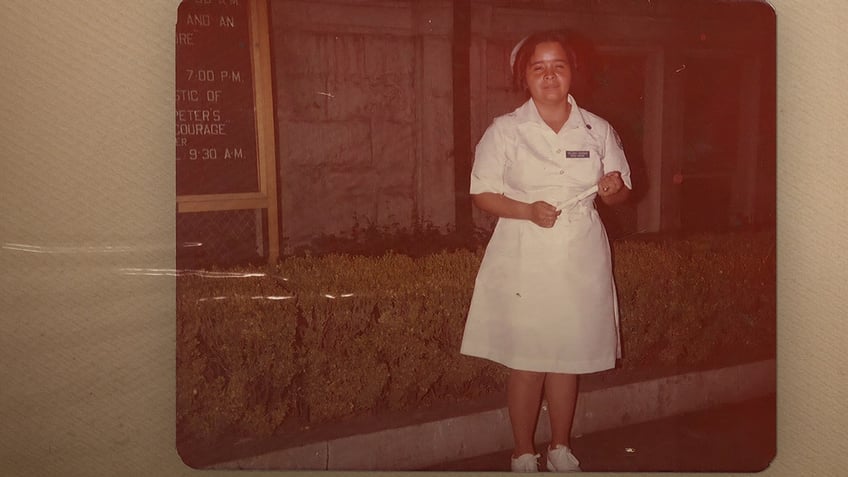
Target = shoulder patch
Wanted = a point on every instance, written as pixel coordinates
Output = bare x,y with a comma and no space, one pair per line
617,138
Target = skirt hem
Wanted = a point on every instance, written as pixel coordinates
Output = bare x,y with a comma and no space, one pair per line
534,365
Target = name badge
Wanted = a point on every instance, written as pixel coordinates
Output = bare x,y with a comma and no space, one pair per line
576,154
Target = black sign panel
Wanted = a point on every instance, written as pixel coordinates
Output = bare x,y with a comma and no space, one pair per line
215,113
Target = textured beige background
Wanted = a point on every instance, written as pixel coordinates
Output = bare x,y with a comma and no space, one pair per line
86,134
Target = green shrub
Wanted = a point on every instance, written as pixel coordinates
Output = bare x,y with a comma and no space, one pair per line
351,335
704,300
234,359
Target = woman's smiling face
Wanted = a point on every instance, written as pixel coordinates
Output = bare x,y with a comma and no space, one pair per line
548,74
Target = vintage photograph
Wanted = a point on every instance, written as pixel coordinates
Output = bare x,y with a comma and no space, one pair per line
476,235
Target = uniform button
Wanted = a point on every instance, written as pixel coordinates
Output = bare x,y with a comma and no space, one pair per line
559,151
561,171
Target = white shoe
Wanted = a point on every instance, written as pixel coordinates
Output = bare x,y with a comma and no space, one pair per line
525,463
561,459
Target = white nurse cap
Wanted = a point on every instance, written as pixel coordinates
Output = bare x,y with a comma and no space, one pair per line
515,53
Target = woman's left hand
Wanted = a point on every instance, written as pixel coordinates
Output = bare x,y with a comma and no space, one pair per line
610,184
611,189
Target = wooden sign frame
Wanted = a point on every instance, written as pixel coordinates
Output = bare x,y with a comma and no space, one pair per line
266,197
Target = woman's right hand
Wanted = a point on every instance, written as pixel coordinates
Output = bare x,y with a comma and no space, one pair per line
543,214
540,213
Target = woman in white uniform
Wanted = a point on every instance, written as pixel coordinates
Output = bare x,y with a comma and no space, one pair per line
544,302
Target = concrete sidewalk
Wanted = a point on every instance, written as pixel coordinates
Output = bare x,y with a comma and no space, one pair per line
455,439
737,437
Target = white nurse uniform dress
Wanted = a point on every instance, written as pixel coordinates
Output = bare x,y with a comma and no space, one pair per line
544,299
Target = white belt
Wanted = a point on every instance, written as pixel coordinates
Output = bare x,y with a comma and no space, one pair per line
567,204
577,205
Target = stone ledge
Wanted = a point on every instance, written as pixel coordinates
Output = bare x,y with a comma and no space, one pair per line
446,440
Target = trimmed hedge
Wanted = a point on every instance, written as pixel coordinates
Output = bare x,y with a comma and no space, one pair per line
317,339
703,301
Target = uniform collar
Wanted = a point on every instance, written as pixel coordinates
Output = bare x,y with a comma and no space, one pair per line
528,113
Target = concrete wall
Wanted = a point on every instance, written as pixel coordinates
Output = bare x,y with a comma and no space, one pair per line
364,114
365,103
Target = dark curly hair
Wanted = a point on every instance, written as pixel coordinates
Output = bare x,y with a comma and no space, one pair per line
525,51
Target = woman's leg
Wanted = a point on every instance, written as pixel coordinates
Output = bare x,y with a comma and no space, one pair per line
524,397
561,394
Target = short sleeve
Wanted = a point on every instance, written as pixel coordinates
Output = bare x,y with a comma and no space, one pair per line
614,159
489,161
